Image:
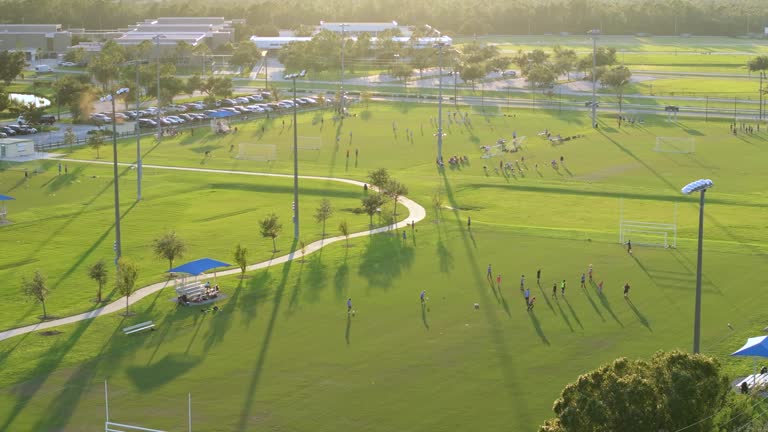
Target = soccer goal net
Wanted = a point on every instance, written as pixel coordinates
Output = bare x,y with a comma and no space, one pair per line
675,145
648,234
257,152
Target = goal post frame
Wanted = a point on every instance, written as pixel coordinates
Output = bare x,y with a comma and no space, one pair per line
681,145
665,230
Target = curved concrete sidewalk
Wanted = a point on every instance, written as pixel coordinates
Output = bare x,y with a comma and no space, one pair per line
416,214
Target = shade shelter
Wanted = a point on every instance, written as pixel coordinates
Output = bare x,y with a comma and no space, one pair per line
755,347
196,268
3,210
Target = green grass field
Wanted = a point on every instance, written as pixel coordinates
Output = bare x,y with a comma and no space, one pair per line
283,355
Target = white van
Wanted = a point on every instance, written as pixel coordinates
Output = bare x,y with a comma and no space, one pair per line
43,68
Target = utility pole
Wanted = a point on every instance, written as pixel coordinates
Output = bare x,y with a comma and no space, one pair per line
159,125
440,105
594,34
341,85
138,136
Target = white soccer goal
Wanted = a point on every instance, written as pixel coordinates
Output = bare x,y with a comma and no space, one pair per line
648,234
257,152
110,426
675,145
643,233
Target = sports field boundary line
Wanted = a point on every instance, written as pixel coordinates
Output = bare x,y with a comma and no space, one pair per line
416,213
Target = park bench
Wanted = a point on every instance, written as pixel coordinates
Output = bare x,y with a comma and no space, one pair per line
139,327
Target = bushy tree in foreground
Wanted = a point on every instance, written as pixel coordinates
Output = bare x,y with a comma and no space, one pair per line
671,391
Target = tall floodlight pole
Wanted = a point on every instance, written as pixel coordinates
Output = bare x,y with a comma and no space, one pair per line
341,83
157,38
698,186
594,34
138,136
266,70
111,98
440,46
295,156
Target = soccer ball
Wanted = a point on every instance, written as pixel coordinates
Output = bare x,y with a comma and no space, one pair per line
477,306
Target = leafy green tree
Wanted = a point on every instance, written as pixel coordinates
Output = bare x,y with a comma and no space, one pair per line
372,203
541,76
617,78
127,274
36,289
105,66
217,87
182,52
99,273
75,55
344,229
471,72
69,137
11,65
323,212
241,258
394,190
564,60
246,55
193,84
671,391
31,112
169,246
95,141
379,177
5,101
422,58
170,87
270,227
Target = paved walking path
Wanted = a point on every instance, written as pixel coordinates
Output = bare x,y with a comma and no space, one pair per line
416,214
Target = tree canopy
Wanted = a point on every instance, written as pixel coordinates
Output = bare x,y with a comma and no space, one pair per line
671,391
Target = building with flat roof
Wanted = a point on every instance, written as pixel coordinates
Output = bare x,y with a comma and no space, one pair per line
352,30
34,38
215,31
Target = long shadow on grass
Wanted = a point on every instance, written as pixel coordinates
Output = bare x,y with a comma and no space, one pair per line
223,319
258,289
317,274
546,297
494,326
47,363
341,279
537,326
643,320
62,180
594,306
79,261
607,305
424,316
573,312
639,160
63,405
279,189
384,259
564,315
257,369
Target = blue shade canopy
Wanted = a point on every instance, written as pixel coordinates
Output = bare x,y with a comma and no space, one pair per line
198,266
755,347
6,198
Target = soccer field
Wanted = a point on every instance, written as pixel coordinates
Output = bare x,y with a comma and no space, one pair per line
282,353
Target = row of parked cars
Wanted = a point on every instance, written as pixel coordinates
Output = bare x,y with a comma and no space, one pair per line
199,111
14,129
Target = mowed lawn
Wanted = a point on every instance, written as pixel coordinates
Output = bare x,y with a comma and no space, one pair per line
283,355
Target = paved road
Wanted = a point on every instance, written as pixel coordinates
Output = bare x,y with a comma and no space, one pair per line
416,213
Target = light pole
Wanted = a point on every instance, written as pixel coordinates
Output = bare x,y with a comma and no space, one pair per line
266,70
157,38
762,77
295,157
111,98
136,64
594,34
341,83
440,46
698,186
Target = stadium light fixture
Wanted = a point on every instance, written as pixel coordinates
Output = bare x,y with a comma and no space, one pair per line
693,187
111,98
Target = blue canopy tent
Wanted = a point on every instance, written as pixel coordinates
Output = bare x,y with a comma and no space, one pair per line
3,211
755,347
217,125
195,289
199,266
